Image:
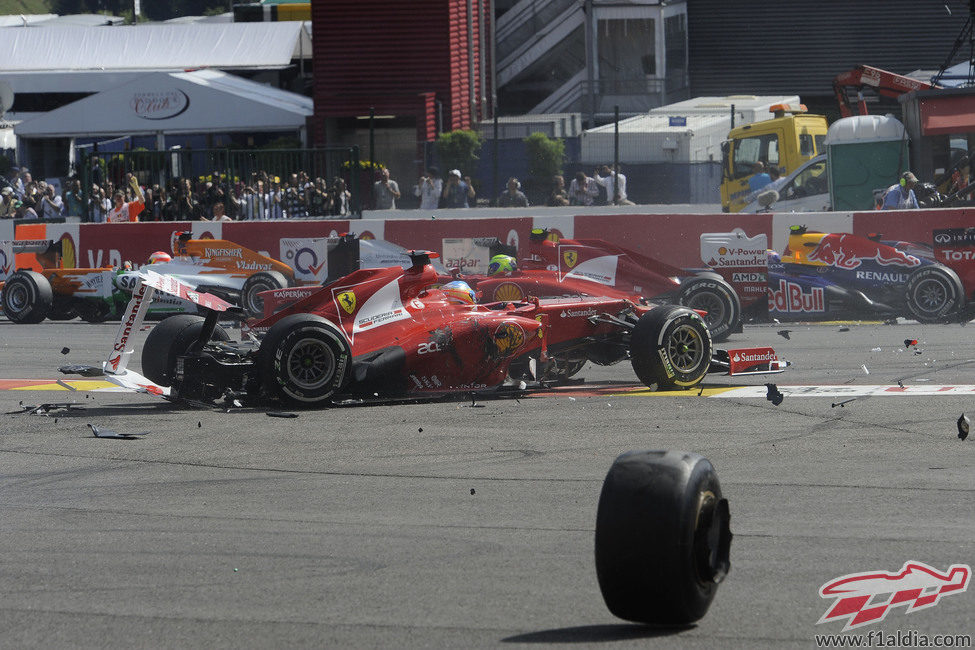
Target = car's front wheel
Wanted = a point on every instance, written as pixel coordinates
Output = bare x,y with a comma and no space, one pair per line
671,347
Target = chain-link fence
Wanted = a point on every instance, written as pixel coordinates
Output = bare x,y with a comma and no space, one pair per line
182,183
663,158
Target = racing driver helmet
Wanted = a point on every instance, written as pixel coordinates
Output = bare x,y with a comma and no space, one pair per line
502,264
458,292
159,257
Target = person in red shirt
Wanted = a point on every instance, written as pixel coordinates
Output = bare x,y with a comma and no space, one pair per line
123,211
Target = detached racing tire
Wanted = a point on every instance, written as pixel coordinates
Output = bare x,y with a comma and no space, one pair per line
934,294
250,302
663,537
670,346
304,359
718,299
168,340
27,297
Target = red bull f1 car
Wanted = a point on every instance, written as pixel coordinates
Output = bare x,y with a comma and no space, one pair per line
385,332
842,275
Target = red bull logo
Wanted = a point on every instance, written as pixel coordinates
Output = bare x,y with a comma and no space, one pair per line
846,251
862,598
790,298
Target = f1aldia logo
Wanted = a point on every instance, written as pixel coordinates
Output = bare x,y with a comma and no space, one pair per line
866,598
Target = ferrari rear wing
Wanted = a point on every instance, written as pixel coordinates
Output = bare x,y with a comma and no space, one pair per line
115,369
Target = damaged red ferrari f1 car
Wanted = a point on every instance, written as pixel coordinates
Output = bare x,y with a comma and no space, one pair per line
387,332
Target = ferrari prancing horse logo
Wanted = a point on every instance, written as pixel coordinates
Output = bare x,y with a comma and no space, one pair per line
347,300
570,258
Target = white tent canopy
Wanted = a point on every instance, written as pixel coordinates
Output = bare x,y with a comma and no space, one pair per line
227,46
203,101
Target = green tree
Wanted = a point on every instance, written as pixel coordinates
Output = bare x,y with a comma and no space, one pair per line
545,156
459,150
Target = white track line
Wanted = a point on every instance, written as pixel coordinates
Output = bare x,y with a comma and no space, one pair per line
850,391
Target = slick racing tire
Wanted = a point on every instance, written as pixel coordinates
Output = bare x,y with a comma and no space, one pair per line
718,299
305,360
93,310
251,303
663,537
168,340
934,294
27,297
670,346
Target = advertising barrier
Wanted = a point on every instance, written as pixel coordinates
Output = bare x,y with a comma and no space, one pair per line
670,238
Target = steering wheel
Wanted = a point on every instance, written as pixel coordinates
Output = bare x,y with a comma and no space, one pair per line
816,185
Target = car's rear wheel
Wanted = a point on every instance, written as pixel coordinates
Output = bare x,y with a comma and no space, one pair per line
305,360
252,303
27,297
168,340
670,346
663,537
718,299
934,294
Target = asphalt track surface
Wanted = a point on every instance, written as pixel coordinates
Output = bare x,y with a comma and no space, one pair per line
454,525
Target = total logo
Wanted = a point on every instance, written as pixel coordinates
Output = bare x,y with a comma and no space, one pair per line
790,298
951,254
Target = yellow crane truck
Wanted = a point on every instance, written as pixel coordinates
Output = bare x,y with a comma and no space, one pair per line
791,137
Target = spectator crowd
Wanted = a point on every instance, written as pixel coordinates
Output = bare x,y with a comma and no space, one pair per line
212,198
218,197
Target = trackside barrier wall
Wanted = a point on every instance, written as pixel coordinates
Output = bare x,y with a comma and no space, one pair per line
671,238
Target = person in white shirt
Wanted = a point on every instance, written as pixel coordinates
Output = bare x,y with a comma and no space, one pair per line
608,180
429,188
275,209
100,205
52,205
219,213
582,190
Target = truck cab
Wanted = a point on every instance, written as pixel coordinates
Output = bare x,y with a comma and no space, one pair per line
789,139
